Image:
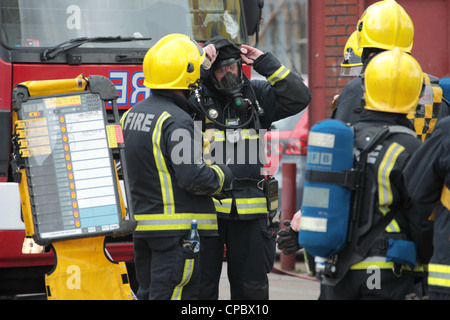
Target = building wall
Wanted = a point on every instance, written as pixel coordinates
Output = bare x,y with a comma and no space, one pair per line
331,22
308,36
283,32
341,17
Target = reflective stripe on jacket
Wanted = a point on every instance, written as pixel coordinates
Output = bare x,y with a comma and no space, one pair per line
169,188
244,206
380,262
177,221
439,275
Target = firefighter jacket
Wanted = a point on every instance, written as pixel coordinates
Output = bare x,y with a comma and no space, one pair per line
428,181
169,182
384,192
282,95
350,103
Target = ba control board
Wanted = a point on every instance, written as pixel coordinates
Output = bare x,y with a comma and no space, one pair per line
69,166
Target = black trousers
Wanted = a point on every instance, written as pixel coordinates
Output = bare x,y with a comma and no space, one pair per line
165,270
250,254
370,285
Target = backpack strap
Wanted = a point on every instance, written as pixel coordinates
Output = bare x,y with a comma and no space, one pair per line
372,136
368,140
345,178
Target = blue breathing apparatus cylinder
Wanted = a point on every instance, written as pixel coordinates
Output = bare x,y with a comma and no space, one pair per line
444,83
326,203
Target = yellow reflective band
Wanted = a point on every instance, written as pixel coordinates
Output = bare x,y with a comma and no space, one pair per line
122,120
221,175
445,197
385,195
187,274
278,75
251,205
224,205
175,221
370,263
243,205
249,134
439,275
165,179
245,134
380,262
219,136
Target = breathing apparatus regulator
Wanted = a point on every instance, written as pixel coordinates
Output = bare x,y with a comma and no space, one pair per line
230,86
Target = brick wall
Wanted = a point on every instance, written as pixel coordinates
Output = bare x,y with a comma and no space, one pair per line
341,17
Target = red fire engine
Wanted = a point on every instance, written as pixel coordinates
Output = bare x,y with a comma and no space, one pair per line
60,39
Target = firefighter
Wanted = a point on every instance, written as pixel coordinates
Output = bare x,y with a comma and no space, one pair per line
237,112
427,177
383,26
351,65
392,85
169,181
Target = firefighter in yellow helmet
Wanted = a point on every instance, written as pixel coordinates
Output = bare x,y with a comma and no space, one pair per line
169,181
383,26
389,240
427,177
351,65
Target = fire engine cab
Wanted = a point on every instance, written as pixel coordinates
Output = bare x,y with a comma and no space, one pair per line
60,39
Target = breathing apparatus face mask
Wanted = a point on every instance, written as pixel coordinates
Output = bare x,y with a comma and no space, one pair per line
231,83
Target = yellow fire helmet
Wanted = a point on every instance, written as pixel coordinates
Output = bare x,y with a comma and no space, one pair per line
174,62
385,25
351,64
393,82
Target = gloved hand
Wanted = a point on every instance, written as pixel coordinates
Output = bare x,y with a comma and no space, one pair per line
287,239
